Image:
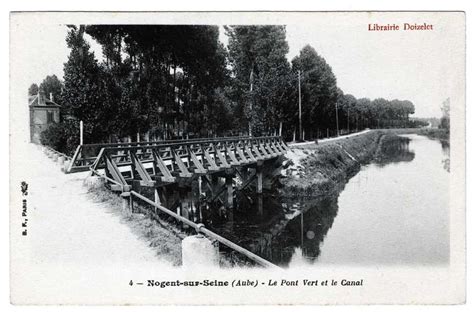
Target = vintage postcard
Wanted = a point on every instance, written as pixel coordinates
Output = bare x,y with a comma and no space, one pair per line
237,158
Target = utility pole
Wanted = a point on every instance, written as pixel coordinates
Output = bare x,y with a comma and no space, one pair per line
81,132
337,121
299,105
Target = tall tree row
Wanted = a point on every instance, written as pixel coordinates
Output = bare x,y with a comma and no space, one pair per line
178,81
262,75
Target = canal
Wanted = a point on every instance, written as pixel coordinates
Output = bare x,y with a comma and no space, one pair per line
394,211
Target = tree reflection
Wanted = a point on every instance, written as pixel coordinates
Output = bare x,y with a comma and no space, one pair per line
394,149
445,147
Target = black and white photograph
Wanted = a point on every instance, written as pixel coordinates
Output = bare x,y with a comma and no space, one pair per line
237,157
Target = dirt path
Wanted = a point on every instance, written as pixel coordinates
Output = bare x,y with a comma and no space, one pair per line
67,226
329,139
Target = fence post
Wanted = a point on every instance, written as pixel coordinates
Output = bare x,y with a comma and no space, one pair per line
61,160
126,202
66,165
81,132
198,250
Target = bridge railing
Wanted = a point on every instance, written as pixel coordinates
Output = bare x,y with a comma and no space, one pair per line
200,228
184,159
86,154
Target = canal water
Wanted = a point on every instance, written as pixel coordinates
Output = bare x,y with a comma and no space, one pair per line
394,211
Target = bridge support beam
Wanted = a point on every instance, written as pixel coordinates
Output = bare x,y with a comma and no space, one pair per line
157,197
259,174
230,191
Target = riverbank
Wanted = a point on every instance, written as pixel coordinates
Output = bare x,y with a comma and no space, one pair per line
432,133
318,169
163,236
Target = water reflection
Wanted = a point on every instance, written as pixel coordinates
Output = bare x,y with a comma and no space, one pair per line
377,215
394,149
445,147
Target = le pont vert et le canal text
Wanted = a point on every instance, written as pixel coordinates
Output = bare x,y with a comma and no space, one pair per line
247,283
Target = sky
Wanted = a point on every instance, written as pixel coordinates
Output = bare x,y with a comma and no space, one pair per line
404,65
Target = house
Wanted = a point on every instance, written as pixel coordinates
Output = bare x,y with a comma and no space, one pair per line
43,112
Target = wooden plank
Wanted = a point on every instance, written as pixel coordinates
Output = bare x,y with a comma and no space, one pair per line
160,164
146,180
233,159
75,157
241,153
199,167
280,146
265,153
224,163
276,148
283,145
250,154
212,163
217,193
247,183
184,172
114,170
257,153
269,148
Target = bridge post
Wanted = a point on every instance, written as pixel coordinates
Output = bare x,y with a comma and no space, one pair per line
126,202
157,197
259,179
230,191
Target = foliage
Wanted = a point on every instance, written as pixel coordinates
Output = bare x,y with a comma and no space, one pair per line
174,81
446,118
51,85
84,93
63,137
261,74
319,91
163,78
33,89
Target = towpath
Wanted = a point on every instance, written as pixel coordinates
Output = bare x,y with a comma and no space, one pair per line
329,139
66,225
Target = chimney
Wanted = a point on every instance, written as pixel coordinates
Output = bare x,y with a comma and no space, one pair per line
51,96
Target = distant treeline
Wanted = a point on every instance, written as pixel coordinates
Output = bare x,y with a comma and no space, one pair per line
172,81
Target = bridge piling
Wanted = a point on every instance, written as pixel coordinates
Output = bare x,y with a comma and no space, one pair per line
230,191
259,174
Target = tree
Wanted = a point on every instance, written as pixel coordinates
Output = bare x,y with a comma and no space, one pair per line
33,89
84,94
446,118
318,88
163,78
51,85
261,74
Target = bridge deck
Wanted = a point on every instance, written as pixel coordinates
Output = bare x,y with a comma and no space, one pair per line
155,164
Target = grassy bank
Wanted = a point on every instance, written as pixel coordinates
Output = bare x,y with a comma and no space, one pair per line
320,169
432,133
162,235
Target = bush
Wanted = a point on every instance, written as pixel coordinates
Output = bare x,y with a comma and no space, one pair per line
63,137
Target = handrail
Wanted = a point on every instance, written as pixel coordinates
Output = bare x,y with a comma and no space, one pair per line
159,142
201,229
80,160
166,144
105,177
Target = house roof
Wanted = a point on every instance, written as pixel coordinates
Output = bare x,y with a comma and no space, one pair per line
41,101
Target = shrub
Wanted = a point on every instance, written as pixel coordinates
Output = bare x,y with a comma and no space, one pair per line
63,137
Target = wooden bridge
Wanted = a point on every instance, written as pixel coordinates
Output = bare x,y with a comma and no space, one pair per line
216,163
219,165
